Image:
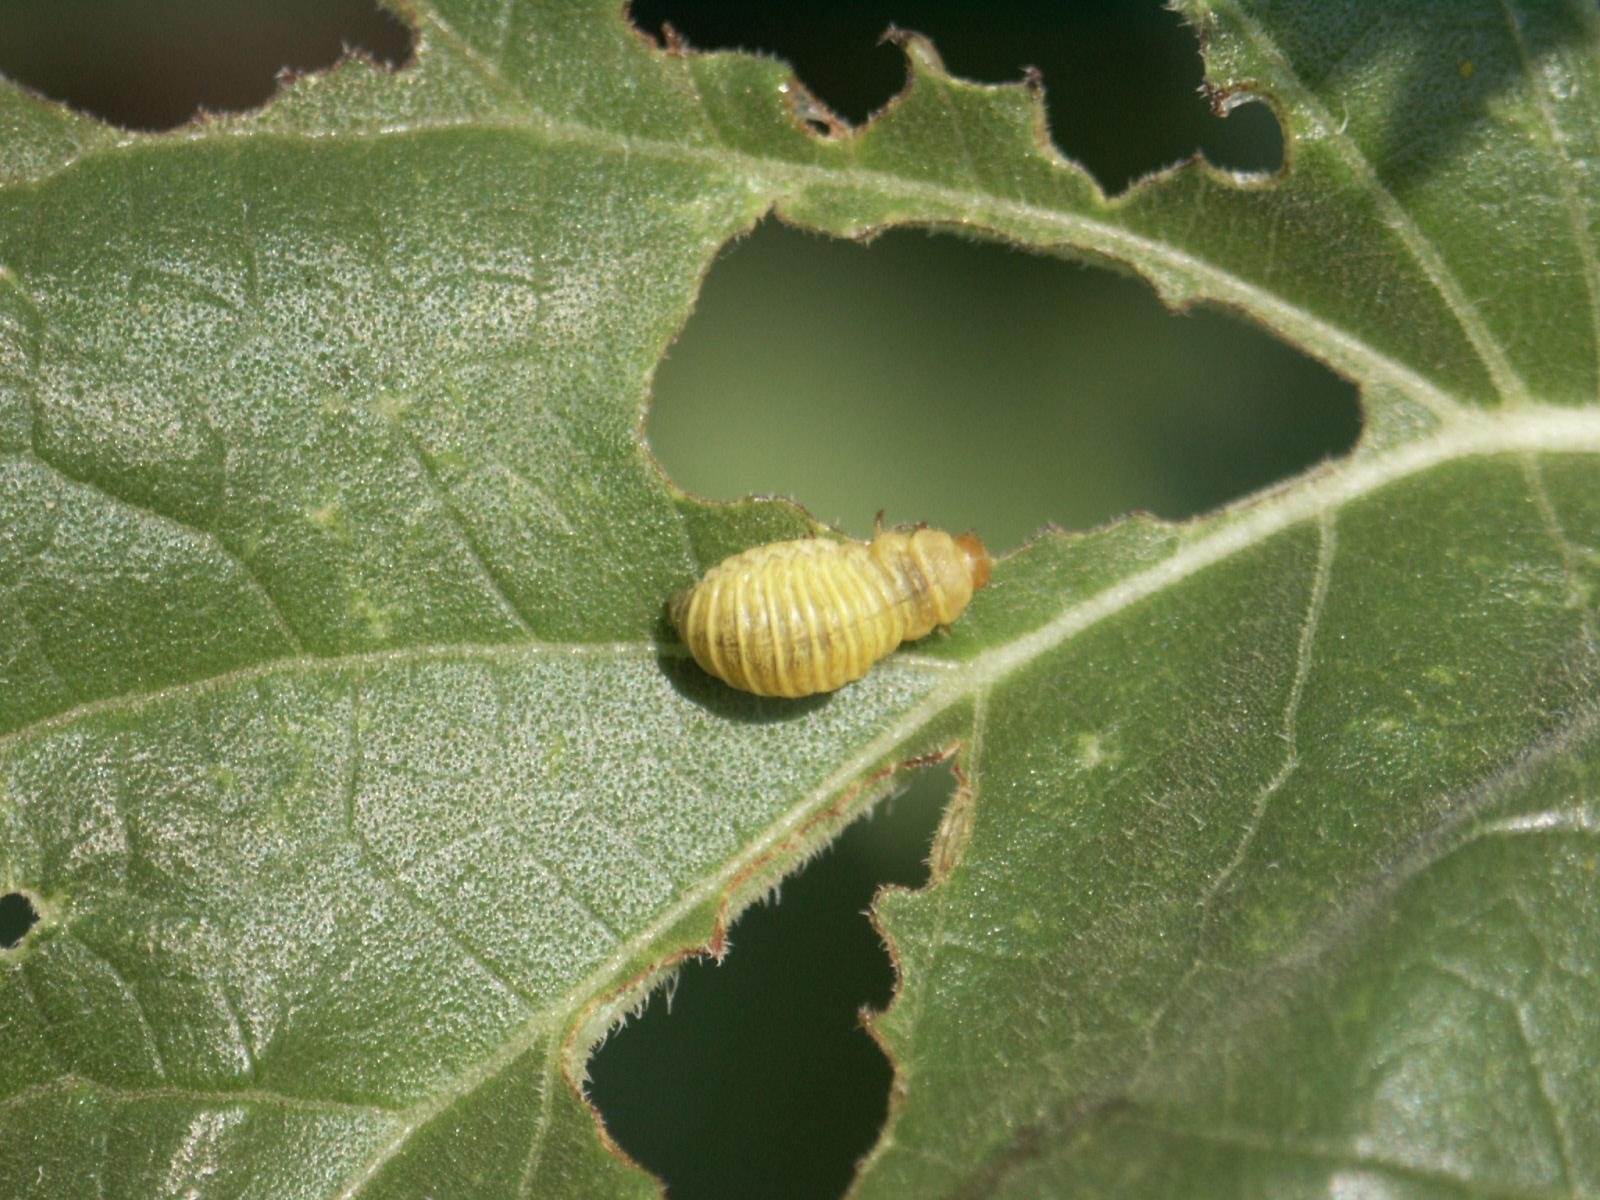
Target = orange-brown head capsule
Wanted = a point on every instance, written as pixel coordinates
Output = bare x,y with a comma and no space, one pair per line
796,618
979,565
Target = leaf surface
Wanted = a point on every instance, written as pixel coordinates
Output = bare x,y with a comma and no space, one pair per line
360,787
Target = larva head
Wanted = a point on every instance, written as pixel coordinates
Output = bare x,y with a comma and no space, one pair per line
954,568
979,565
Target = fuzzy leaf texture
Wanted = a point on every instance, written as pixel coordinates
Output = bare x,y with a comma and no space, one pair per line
360,788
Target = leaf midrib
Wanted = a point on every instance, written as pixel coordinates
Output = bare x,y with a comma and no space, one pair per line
1533,428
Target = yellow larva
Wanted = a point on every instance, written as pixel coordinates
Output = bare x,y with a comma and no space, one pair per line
796,618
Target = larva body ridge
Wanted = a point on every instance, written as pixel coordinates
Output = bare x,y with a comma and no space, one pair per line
800,617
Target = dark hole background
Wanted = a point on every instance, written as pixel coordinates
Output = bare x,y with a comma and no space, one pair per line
760,1080
1122,77
151,64
17,916
966,384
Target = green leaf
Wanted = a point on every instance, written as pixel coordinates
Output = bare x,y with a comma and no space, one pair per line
360,786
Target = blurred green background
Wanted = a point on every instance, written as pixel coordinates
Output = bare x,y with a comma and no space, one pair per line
961,383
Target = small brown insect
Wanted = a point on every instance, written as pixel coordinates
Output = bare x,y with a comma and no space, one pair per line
796,618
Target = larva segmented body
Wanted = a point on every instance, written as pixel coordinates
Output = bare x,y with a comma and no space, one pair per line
795,618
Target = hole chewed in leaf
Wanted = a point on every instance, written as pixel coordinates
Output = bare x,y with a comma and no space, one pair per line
769,1042
17,917
812,113
155,64
974,387
1122,80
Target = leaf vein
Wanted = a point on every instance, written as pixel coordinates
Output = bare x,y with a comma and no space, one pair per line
490,575
1322,573
1342,348
1421,246
567,889
541,1124
1571,197
1336,1154
1571,555
436,651
1541,1078
146,1029
397,884
274,610
253,1095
